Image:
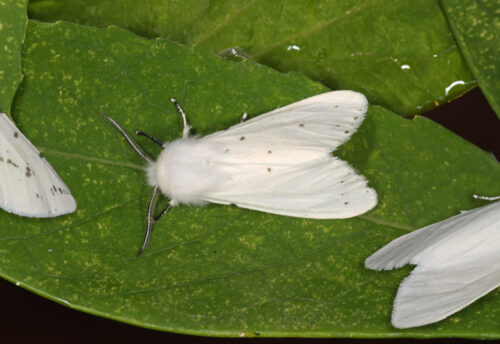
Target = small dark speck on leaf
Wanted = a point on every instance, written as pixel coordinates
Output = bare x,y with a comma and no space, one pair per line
16,134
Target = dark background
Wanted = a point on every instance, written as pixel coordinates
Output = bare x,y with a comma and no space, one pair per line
26,317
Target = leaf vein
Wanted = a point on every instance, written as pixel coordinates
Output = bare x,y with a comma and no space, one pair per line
313,29
224,22
91,158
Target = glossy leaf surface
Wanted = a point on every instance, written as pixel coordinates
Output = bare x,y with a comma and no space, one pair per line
218,270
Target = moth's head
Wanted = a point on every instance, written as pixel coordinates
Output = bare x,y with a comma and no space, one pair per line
151,174
185,170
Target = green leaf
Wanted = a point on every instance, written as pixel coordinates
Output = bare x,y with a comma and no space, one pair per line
13,22
218,270
401,54
477,30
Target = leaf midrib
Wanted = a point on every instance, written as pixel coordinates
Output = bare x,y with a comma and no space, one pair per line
368,218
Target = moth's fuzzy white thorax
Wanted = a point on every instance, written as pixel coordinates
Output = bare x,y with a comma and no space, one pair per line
186,170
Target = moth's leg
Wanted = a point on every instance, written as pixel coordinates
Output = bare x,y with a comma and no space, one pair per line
486,198
164,211
152,138
187,127
244,117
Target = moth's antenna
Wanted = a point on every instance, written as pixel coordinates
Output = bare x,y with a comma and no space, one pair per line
187,127
138,149
150,220
152,138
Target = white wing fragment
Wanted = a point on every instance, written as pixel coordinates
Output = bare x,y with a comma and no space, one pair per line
458,261
281,162
29,186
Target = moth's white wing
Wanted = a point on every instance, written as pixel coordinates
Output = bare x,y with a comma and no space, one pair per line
281,162
458,261
457,237
313,125
432,293
29,186
324,189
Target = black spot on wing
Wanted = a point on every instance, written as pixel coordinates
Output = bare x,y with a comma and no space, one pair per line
9,161
16,134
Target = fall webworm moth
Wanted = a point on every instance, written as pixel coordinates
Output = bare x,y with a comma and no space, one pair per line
29,186
279,162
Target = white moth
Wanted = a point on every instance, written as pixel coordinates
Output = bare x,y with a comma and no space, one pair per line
458,261
279,162
29,186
